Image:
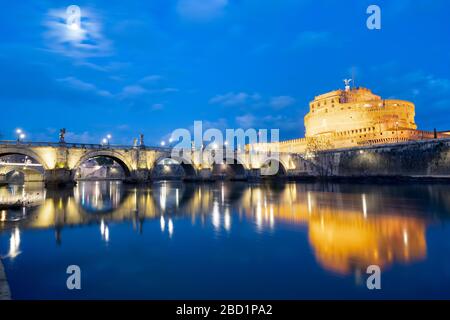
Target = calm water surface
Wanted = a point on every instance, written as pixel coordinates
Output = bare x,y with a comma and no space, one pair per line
228,240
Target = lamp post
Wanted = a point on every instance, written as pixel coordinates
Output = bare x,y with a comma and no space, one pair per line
105,140
20,135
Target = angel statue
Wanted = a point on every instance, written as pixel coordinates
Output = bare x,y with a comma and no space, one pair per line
62,134
347,84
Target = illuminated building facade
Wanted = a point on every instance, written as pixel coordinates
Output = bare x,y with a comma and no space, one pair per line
354,117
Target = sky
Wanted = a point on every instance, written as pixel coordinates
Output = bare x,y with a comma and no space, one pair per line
154,66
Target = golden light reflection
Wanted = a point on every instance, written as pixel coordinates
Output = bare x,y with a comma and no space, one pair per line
14,244
343,236
342,239
170,227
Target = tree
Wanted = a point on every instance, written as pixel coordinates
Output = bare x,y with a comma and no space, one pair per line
315,148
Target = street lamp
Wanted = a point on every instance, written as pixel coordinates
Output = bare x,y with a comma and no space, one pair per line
19,134
163,143
105,141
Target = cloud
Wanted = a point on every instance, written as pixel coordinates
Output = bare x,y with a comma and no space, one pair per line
201,9
22,80
110,67
281,102
221,124
308,39
132,91
246,121
84,86
165,90
428,91
250,120
234,99
281,122
419,84
81,42
151,79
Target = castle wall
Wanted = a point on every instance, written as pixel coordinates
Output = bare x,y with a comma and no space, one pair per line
412,159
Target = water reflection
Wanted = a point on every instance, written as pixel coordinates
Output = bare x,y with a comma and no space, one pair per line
349,227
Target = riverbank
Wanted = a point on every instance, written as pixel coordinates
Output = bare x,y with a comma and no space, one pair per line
5,293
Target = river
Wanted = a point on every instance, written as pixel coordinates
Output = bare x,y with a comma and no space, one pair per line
228,240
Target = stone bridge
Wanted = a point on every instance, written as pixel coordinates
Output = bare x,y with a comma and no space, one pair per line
60,161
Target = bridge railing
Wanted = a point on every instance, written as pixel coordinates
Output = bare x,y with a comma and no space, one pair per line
78,145
91,146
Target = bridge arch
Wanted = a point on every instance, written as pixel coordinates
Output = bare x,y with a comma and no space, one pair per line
230,168
274,167
188,168
27,175
24,152
116,156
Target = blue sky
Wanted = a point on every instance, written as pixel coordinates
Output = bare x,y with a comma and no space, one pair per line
154,66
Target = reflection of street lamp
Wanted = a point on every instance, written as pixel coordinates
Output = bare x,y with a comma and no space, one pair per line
163,143
104,141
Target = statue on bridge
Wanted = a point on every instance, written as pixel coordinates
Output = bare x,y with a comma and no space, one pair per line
62,134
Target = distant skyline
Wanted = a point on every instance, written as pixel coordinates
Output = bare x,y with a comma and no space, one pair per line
153,66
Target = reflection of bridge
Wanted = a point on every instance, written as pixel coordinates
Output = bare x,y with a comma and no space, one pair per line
348,229
32,172
60,161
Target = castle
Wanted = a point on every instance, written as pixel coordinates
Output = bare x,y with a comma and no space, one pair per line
354,117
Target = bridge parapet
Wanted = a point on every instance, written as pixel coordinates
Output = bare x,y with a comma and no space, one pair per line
61,160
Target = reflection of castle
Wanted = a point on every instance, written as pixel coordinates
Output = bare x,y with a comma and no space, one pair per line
343,232
355,117
347,231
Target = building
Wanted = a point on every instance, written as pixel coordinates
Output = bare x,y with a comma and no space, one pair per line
354,117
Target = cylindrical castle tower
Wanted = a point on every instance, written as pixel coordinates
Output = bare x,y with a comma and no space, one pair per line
357,109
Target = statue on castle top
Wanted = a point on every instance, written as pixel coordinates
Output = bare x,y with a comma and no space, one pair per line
62,134
347,84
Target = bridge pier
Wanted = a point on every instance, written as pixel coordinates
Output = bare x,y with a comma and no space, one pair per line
254,174
59,178
139,176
